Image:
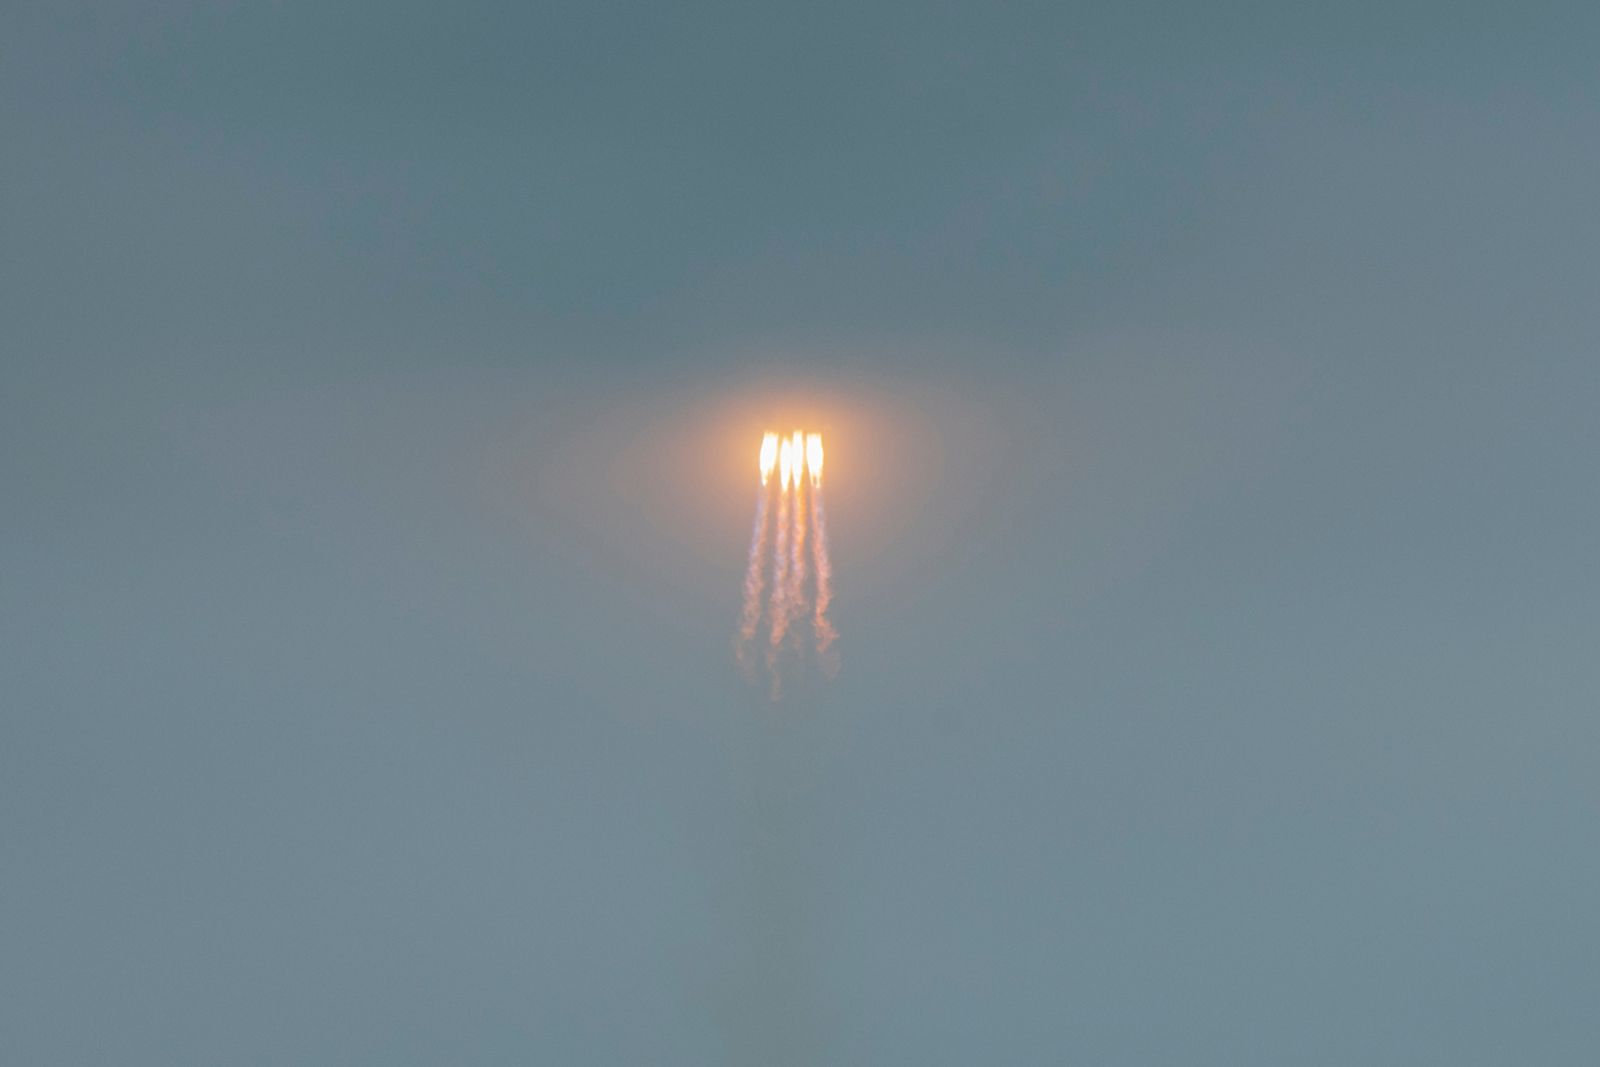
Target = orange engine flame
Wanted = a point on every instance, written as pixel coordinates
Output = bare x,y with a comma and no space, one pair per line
785,464
814,458
797,449
769,456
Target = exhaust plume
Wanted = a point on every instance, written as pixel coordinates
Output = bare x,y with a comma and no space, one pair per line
778,606
754,577
800,517
796,597
769,456
821,627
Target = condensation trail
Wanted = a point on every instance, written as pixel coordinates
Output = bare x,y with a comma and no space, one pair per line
754,580
821,627
778,605
756,569
797,538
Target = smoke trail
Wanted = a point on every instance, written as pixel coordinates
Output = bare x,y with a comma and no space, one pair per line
827,658
778,606
754,580
797,557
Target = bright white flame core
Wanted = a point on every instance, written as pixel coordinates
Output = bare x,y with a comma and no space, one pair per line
814,458
769,456
793,457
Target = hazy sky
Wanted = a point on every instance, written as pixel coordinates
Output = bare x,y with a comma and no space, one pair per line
1212,392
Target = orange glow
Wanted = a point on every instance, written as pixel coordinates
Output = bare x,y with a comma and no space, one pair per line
769,456
814,458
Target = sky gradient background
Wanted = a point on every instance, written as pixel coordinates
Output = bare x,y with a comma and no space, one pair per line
1210,392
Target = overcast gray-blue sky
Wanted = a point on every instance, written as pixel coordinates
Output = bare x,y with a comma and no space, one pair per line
1213,389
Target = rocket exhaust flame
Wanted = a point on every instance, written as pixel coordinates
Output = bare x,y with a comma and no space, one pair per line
785,463
769,457
756,568
800,516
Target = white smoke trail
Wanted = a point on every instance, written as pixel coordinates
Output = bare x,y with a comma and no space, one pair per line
754,580
778,604
822,627
797,557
